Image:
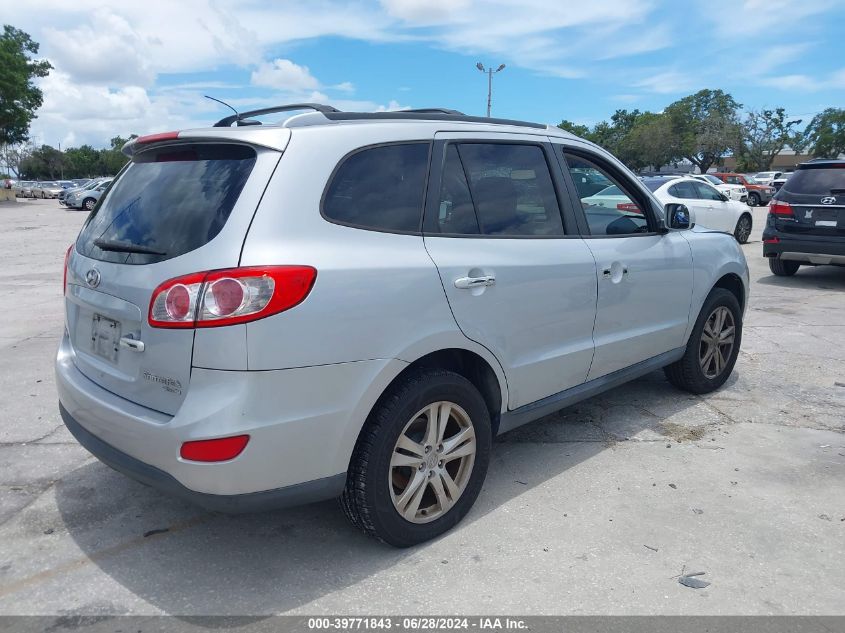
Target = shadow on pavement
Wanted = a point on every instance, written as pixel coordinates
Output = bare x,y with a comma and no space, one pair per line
271,562
810,277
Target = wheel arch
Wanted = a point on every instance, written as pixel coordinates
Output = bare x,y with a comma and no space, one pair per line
733,284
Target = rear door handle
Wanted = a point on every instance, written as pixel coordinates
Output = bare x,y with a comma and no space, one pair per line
475,282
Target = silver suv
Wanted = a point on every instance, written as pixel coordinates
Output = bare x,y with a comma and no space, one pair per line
353,305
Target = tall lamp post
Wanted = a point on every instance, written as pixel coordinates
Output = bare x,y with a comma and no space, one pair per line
489,72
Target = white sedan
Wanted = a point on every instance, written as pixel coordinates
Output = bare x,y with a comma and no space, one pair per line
709,207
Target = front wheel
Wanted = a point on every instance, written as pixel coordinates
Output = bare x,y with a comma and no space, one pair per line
713,346
421,459
783,268
743,229
89,203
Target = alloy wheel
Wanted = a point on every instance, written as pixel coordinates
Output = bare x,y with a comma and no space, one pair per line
432,462
743,230
717,342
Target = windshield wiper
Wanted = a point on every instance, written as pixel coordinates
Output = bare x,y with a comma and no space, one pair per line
125,247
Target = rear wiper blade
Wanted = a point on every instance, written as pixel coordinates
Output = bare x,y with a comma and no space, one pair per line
125,247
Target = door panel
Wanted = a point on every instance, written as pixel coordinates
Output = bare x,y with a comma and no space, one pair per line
643,301
538,316
515,283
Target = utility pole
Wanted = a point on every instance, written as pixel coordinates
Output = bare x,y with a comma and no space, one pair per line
489,72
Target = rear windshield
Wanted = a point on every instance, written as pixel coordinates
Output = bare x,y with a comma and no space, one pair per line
168,202
816,180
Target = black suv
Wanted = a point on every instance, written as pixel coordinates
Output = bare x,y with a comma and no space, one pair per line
806,222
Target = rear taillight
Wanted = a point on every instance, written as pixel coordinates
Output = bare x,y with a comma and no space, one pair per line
217,450
227,297
628,206
783,209
64,274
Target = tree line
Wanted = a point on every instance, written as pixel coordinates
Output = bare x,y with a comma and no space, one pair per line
705,127
27,162
702,128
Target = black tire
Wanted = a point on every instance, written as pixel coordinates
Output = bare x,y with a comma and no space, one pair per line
754,199
783,268
88,204
743,229
687,373
366,500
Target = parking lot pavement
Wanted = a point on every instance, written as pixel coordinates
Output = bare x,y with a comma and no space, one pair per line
590,511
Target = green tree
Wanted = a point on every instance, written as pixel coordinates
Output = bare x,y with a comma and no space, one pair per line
43,163
82,162
706,125
578,130
650,143
19,96
764,134
825,134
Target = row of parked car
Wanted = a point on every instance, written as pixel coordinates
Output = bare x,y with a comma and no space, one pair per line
76,194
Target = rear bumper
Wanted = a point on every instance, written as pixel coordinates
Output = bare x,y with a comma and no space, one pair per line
303,424
807,249
298,494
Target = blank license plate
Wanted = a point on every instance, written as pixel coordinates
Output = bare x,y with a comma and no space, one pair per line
105,337
825,222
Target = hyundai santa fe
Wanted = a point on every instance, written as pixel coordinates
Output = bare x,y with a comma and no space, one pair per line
354,305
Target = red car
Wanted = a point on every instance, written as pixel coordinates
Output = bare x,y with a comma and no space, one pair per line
757,194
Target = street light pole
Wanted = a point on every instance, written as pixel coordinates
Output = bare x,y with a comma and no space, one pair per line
489,72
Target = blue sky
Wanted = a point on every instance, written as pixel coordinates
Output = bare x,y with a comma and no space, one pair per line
144,66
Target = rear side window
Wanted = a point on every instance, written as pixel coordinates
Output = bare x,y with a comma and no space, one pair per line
821,181
498,189
380,188
169,201
683,189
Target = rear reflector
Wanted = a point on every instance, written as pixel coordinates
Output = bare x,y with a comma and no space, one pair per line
227,297
217,450
155,138
776,207
64,275
773,240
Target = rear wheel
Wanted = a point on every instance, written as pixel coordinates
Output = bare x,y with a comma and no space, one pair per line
743,229
783,268
713,346
753,200
421,459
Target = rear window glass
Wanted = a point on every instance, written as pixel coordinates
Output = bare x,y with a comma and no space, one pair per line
169,201
816,180
380,188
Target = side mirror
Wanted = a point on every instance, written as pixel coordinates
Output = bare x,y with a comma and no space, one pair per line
679,216
724,197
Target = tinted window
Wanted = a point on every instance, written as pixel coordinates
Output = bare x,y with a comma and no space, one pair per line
654,183
706,192
816,181
171,200
607,214
380,188
510,188
684,189
456,212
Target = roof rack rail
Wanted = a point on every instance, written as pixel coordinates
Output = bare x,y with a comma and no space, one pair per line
240,117
434,111
427,115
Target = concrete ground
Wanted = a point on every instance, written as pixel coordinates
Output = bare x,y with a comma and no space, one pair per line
593,510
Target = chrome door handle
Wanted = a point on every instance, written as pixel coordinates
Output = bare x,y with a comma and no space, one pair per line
131,343
475,282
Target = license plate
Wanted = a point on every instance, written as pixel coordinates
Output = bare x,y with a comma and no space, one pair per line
825,222
105,337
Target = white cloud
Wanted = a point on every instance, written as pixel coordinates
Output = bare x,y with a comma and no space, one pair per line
283,74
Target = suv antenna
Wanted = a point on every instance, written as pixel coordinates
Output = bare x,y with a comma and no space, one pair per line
225,104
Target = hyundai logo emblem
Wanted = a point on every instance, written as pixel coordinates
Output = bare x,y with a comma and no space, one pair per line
92,278
829,200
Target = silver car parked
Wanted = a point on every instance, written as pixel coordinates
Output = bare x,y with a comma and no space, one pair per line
354,305
86,197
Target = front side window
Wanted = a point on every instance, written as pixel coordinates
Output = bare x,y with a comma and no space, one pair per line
499,189
380,188
706,192
612,210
